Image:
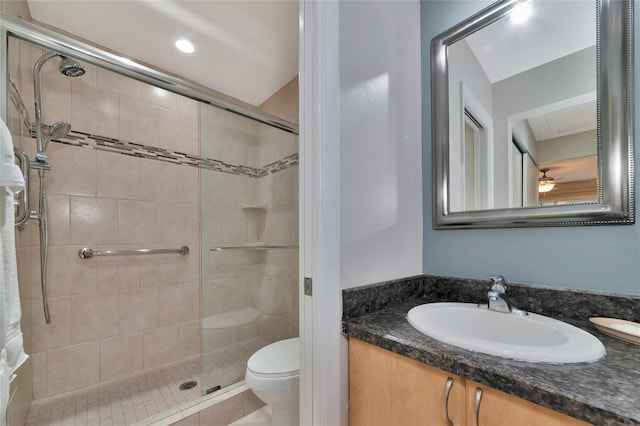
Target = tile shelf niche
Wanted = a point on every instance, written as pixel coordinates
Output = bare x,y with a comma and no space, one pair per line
257,218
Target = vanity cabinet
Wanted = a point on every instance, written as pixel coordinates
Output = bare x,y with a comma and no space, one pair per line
387,389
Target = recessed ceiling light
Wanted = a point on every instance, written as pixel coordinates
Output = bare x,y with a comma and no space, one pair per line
520,13
185,45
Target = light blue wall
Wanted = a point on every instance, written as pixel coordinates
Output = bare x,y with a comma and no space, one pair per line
603,258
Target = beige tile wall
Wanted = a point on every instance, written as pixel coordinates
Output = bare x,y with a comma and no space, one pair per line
112,317
227,276
284,103
276,293
18,8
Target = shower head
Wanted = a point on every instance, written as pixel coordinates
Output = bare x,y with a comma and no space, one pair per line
71,67
58,130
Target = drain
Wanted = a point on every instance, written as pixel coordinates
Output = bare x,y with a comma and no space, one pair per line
188,385
213,389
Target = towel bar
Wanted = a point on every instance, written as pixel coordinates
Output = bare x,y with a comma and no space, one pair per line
256,248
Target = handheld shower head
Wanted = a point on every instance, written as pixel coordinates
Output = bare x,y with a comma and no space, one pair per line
58,130
71,67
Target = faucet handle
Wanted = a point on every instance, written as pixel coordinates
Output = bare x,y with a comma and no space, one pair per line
497,284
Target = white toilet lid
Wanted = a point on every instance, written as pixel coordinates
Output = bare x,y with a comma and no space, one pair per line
279,358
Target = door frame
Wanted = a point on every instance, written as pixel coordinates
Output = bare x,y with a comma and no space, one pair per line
323,372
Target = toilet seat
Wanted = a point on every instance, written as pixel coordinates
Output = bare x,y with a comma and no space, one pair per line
277,360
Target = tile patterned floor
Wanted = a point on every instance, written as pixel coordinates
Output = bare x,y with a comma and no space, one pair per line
119,403
128,401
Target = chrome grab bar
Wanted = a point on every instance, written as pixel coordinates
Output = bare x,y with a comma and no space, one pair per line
88,253
256,248
23,213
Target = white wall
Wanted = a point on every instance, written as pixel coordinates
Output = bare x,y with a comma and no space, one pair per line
524,135
463,67
380,141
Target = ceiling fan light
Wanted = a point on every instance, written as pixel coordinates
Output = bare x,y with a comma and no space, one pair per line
545,183
546,186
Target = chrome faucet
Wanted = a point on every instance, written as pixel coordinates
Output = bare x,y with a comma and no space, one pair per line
498,300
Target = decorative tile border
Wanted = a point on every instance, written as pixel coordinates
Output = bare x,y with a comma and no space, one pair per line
103,143
276,166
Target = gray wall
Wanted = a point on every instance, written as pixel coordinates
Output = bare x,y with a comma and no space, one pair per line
567,147
605,258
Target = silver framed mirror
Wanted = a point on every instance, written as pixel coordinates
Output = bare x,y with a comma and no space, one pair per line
487,171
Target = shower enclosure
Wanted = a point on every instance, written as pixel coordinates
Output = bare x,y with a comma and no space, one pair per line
168,221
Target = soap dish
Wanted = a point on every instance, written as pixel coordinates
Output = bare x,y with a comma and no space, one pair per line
625,330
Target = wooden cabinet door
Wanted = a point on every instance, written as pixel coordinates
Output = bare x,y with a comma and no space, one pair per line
371,371
500,409
387,389
420,393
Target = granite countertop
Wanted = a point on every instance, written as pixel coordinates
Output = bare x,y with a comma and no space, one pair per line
605,392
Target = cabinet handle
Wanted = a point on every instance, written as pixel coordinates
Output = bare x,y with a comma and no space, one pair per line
447,392
478,400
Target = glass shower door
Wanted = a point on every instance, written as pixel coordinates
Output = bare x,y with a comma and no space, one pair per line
249,235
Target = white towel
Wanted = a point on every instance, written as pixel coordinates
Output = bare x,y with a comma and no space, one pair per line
11,345
10,174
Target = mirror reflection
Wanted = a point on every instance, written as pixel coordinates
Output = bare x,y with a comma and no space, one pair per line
523,109
565,141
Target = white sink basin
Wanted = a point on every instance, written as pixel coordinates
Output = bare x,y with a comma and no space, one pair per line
532,338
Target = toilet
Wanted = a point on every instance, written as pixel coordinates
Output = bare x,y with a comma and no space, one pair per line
273,374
